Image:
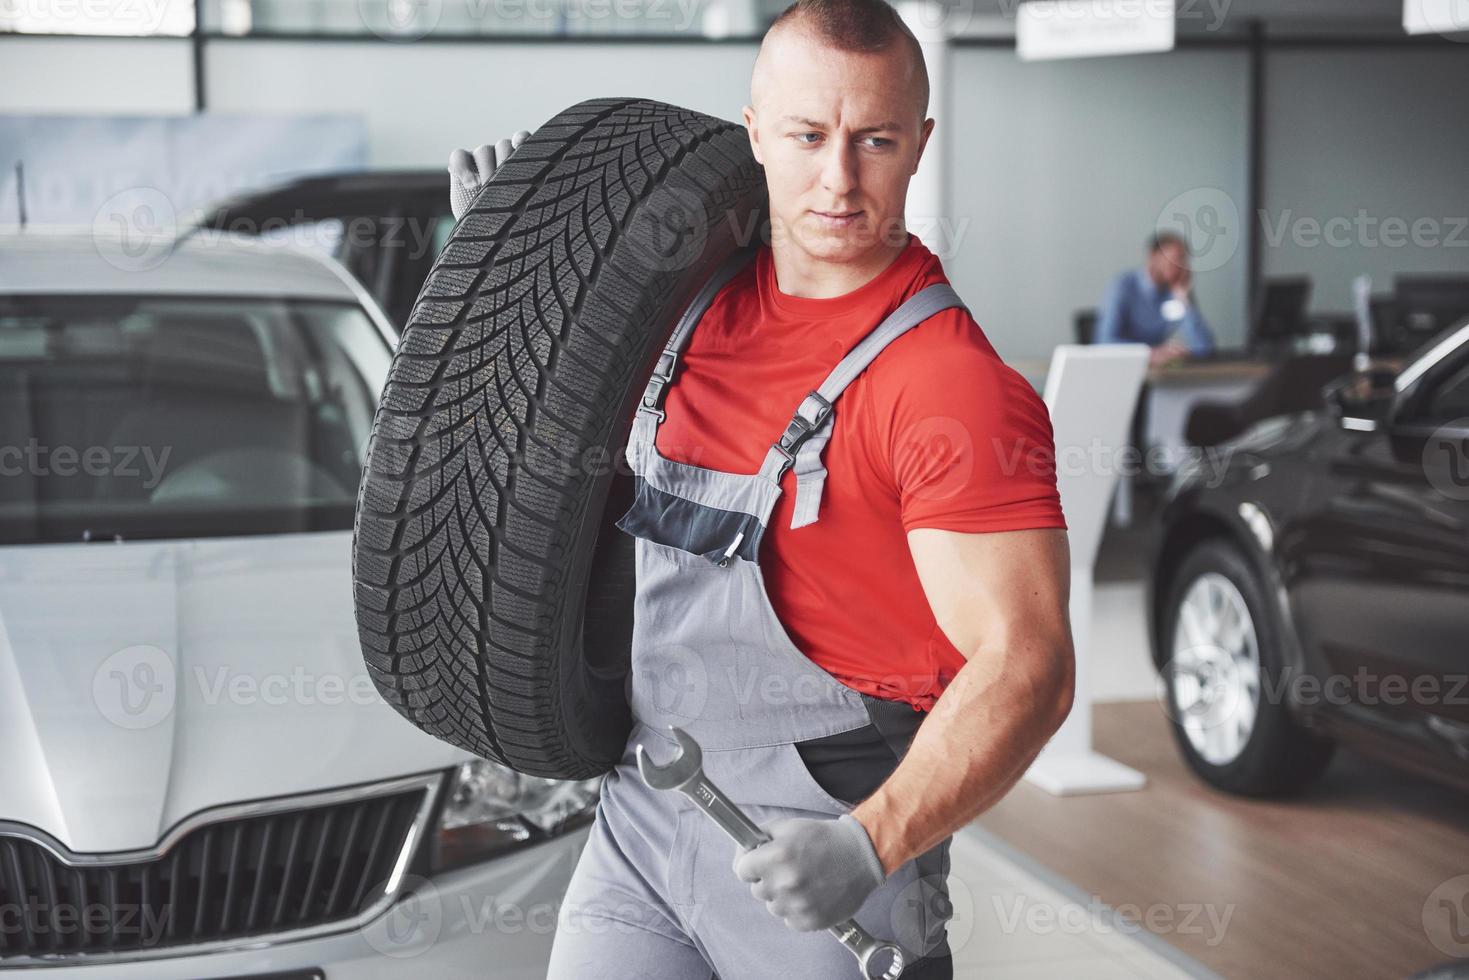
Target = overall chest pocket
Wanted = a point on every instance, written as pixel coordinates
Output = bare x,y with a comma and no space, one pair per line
703,533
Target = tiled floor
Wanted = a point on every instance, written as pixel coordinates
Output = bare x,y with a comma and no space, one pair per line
1011,924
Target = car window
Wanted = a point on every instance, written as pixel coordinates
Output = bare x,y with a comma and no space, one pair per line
1448,400
153,417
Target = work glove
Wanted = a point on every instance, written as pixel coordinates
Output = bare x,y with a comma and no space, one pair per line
812,873
468,172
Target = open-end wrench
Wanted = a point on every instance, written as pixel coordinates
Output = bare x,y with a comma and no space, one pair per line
685,773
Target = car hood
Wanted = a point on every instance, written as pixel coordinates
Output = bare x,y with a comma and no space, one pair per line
142,682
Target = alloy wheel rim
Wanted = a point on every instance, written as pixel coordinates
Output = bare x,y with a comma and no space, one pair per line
1214,688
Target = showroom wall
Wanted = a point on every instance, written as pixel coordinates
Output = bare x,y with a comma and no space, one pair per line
1065,167
142,75
1399,153
426,99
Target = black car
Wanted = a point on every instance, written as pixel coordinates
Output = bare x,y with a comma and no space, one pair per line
385,226
1311,583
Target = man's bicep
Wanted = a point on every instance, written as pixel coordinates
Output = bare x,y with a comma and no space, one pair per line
995,588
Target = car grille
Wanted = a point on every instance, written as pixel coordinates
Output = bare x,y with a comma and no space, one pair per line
253,875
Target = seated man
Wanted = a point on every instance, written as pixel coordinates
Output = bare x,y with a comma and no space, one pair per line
1151,305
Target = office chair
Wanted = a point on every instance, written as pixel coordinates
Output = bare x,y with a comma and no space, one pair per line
1294,386
1084,322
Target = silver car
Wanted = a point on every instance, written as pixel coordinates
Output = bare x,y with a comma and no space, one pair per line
198,778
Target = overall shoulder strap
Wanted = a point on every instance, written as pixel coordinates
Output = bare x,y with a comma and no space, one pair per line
810,427
650,407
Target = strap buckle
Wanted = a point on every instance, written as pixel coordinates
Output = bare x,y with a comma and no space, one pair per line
799,429
662,375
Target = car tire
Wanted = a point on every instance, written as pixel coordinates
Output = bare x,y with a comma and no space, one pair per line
1235,734
493,593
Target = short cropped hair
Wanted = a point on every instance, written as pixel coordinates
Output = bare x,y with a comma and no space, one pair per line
866,26
1158,239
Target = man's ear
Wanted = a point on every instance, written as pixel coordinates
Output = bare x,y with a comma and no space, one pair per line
753,131
922,142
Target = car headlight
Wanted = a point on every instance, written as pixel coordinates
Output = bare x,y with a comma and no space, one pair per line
491,809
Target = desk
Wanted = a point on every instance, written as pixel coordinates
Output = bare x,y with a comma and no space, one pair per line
1172,391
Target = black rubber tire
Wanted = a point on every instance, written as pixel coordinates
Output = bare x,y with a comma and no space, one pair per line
1279,757
495,465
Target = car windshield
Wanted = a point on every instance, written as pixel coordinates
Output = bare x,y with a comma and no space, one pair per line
128,417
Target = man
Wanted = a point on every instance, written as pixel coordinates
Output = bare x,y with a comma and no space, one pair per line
1152,305
912,569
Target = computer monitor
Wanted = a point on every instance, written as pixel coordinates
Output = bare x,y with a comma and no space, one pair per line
1280,311
1426,305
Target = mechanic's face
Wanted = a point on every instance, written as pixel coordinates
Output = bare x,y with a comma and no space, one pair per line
840,135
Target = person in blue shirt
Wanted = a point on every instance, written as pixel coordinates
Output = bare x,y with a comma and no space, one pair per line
1152,305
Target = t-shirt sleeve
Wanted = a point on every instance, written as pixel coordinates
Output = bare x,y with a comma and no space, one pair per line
963,439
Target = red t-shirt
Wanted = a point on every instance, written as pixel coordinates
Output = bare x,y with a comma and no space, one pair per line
937,432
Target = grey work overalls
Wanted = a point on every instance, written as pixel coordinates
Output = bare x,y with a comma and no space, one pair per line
653,894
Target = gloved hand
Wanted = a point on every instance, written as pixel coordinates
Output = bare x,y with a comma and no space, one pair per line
468,172
813,873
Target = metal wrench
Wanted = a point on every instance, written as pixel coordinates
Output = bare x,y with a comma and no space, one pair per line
685,773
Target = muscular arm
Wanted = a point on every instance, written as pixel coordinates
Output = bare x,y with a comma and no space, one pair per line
1001,599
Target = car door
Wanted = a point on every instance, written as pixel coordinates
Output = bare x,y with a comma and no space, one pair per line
1380,562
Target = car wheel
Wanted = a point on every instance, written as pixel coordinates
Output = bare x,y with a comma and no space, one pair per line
1223,675
493,593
